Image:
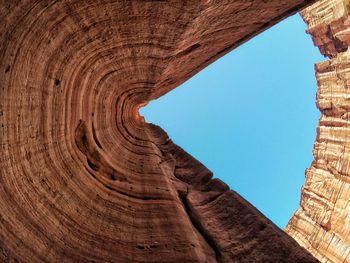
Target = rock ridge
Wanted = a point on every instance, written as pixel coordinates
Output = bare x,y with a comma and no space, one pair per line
321,223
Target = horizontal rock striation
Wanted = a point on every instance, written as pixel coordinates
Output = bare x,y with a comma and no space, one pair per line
322,224
83,177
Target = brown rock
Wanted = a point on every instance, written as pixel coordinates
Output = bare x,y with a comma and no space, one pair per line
83,177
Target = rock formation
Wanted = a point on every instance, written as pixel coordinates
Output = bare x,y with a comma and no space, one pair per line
322,224
85,179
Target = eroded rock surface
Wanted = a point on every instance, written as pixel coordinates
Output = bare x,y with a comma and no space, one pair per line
322,224
83,177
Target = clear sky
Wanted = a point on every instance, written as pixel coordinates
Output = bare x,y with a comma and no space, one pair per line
251,117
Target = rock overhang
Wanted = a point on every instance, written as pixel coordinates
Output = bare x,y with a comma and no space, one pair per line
82,176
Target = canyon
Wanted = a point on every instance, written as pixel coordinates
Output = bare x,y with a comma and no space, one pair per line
85,179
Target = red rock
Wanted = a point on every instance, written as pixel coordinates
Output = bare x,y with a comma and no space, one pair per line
83,177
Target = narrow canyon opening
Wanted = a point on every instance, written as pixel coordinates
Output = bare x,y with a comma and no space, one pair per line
251,118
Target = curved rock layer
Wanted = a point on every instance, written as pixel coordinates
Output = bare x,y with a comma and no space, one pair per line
322,224
83,177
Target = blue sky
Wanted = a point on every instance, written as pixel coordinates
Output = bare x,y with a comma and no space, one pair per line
251,117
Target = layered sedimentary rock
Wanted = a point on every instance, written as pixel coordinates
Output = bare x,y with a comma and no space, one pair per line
322,224
83,177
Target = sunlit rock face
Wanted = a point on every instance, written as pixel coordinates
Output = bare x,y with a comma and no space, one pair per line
83,177
322,224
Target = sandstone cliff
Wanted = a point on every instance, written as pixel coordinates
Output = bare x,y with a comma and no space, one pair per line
83,178
322,224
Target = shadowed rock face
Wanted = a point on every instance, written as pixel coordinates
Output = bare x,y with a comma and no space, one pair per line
322,224
83,177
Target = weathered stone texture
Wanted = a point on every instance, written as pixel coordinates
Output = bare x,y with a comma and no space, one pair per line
83,178
322,224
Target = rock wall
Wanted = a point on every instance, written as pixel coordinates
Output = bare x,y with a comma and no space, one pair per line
83,177
322,223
